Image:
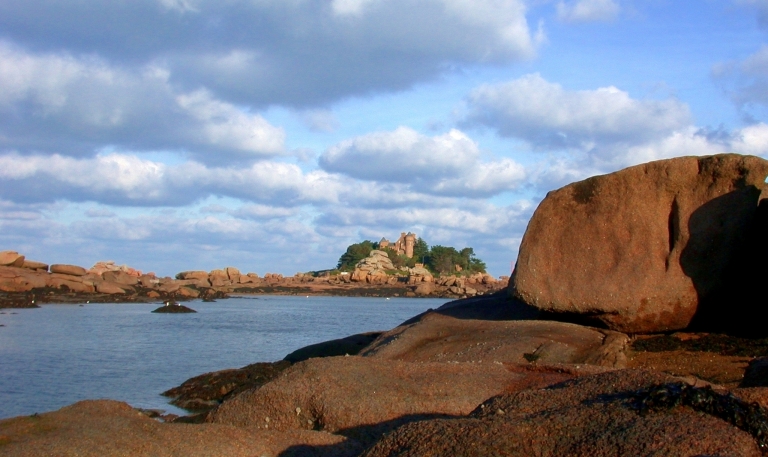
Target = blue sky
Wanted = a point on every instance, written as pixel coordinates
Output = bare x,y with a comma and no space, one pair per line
270,134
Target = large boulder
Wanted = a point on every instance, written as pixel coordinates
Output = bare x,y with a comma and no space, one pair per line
70,270
438,338
624,412
11,259
638,250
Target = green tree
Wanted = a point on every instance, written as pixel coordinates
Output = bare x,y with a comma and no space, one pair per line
441,259
355,253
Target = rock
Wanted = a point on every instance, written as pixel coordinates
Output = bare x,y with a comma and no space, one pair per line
233,274
424,288
71,270
204,392
756,374
105,427
32,265
639,249
187,292
350,345
13,279
174,308
11,259
106,287
438,338
121,277
59,282
588,416
192,275
363,398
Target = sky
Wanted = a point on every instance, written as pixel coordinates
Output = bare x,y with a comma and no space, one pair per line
269,135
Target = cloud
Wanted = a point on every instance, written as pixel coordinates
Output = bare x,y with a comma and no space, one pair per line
746,81
299,53
74,105
550,117
125,179
587,10
319,120
447,164
760,5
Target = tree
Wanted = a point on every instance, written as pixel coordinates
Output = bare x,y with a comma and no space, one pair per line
355,253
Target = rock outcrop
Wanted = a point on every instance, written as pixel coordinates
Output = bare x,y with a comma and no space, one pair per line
638,250
363,397
599,415
438,338
95,428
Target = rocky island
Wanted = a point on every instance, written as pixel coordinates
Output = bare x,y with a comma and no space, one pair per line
631,326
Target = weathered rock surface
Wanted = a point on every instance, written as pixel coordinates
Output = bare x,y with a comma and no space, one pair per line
364,397
208,390
350,345
108,428
639,249
589,416
71,270
439,338
11,259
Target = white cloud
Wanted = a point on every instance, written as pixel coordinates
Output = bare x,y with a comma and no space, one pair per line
302,53
56,102
125,179
447,164
746,81
549,116
227,127
752,140
587,10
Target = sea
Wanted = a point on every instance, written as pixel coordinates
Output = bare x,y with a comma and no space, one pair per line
58,354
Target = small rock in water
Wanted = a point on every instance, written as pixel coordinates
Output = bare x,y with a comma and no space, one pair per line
173,308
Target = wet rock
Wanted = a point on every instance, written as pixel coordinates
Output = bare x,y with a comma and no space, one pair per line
174,308
204,392
351,345
639,249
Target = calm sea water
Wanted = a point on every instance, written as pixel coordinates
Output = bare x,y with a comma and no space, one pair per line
59,354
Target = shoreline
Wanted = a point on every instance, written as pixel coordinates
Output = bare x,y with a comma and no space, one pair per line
35,297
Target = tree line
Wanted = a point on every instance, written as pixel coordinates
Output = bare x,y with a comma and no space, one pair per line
437,259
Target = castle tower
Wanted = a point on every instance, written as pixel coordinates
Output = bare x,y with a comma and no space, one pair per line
410,242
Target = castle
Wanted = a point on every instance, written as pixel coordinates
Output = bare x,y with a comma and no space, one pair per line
404,244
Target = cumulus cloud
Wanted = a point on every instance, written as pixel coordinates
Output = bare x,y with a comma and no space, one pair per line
443,164
73,105
550,117
587,10
125,179
299,53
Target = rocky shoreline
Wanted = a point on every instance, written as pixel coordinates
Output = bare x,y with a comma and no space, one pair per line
630,327
25,283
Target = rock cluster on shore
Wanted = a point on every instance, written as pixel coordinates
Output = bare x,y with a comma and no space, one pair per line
19,275
552,366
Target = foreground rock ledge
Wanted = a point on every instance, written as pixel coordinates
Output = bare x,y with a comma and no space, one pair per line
638,250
